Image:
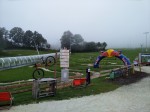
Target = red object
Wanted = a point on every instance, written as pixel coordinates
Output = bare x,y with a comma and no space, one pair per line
105,54
6,97
115,53
79,81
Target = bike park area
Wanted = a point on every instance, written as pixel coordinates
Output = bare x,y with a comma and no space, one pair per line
76,81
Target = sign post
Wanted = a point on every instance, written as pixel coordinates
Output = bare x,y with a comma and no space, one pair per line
64,63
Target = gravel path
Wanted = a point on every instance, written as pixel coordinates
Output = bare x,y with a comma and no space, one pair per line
144,69
131,98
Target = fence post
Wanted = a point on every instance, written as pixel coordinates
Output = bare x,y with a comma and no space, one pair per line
133,71
127,71
35,89
140,67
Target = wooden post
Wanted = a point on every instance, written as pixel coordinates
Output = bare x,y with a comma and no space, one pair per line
127,71
140,67
35,89
133,71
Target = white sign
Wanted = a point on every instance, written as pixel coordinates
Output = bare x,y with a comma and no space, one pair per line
65,65
64,51
64,58
64,54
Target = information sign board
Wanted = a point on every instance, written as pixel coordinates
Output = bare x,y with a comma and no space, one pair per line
64,58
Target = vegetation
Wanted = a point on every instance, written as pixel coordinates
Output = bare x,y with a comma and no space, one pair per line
17,38
99,85
25,52
76,43
78,63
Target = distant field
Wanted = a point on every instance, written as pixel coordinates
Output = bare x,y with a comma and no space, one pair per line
11,53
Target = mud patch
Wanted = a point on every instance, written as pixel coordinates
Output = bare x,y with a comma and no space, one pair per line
129,79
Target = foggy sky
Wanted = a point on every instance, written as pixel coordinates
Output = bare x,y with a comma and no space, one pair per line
119,23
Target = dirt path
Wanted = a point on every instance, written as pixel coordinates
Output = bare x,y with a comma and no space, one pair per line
130,98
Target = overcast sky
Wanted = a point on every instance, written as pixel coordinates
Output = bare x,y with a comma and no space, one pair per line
120,23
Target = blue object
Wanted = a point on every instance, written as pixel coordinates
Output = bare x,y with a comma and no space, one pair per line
125,60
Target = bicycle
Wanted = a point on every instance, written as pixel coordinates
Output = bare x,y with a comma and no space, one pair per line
38,73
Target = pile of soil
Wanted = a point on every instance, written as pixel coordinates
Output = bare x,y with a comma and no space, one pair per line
132,78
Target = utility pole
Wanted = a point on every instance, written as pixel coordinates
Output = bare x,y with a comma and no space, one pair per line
146,33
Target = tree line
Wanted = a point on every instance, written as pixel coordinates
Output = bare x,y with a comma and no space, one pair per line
17,38
76,43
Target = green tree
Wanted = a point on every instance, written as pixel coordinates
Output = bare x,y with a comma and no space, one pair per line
38,40
90,46
77,43
17,34
104,45
66,40
27,38
48,46
99,46
77,39
3,37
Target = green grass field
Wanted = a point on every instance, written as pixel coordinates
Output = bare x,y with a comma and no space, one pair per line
78,63
11,53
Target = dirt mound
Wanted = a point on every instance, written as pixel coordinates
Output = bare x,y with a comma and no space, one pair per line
129,79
